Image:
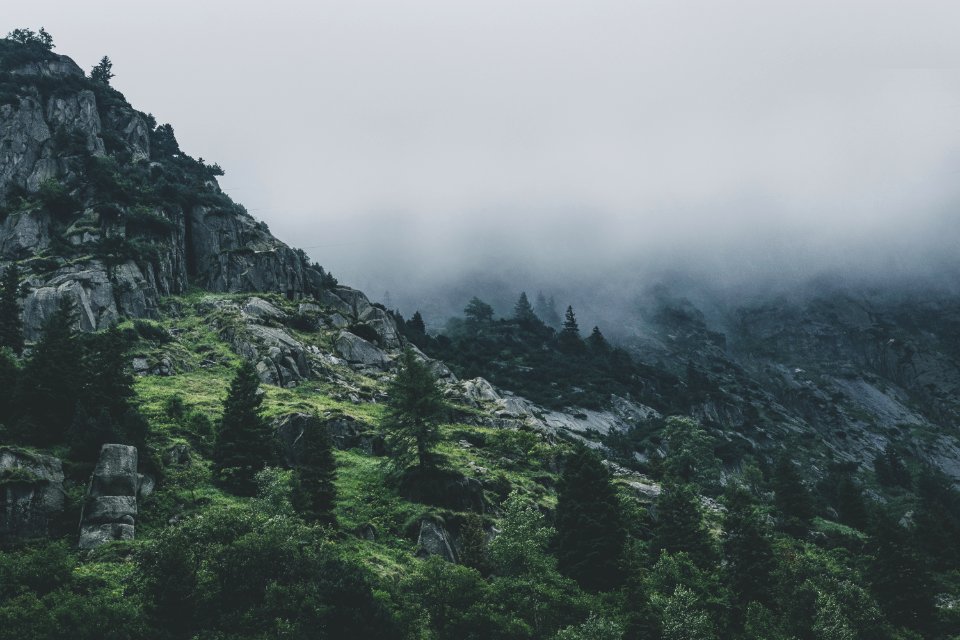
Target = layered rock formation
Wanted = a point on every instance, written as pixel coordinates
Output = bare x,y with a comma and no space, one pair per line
99,205
31,493
110,509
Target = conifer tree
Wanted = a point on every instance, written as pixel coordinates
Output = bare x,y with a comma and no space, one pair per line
899,578
748,551
478,312
314,479
9,373
243,445
597,343
590,528
51,380
569,337
416,324
11,321
850,503
546,310
414,410
523,311
103,72
792,498
680,525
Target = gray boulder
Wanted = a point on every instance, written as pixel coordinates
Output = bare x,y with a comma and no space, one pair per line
110,509
434,540
356,350
31,493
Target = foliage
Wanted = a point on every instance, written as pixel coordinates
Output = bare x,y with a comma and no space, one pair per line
590,528
103,71
11,322
243,445
415,409
314,486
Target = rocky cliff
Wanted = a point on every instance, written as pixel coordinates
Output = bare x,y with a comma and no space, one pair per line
100,205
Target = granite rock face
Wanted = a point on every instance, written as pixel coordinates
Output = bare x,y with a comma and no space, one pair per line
31,493
110,508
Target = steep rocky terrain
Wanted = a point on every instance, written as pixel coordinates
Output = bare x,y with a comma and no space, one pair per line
836,375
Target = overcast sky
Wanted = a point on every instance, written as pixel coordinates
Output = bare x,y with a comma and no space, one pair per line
399,139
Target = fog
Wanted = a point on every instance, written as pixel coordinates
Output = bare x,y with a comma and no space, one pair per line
434,149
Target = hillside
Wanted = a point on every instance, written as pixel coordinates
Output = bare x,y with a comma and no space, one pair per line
207,436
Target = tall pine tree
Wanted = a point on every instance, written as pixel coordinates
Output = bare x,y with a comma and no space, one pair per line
51,380
523,311
680,527
748,552
11,322
792,498
415,408
590,527
314,479
243,445
569,338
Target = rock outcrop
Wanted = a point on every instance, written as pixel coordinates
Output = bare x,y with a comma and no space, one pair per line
110,508
433,540
31,493
345,433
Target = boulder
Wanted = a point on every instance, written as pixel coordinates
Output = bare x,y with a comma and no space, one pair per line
345,433
356,350
31,493
434,540
262,310
110,508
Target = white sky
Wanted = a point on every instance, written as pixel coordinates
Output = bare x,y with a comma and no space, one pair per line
400,139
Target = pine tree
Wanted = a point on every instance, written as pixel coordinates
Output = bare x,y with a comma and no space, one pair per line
103,72
523,311
569,337
597,343
314,479
473,544
898,576
11,321
51,380
590,528
478,312
680,527
417,325
546,310
414,410
748,551
850,503
243,445
9,373
792,498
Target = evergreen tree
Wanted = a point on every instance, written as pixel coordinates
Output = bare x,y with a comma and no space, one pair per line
416,324
11,321
103,72
546,310
899,578
243,445
9,373
597,343
792,498
314,479
51,380
748,552
850,503
523,311
590,528
569,338
680,527
478,312
415,408
473,543
642,621
890,469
